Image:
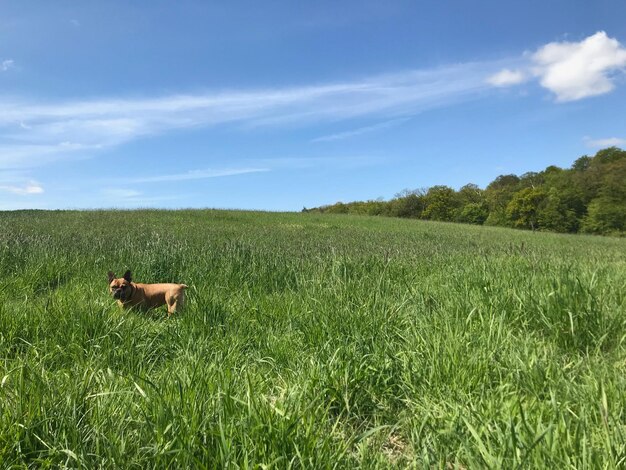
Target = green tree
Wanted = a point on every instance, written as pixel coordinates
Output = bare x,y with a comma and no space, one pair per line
408,203
609,155
565,205
497,195
523,209
473,213
337,208
441,203
410,206
472,205
590,196
555,215
471,193
606,213
605,216
582,163
531,179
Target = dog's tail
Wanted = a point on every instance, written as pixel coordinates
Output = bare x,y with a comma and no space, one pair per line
184,286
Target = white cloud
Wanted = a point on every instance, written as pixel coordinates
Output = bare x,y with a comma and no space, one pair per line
32,187
507,77
575,70
120,193
124,198
571,70
28,155
7,64
603,143
127,197
336,161
197,175
360,130
32,133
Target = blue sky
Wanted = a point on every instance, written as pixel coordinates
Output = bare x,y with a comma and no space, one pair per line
279,105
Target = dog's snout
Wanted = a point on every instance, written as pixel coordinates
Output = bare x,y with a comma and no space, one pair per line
120,292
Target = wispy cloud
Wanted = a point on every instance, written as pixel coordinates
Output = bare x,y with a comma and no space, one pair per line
126,198
196,175
603,143
507,77
32,187
361,130
336,161
31,130
23,155
571,70
7,64
120,193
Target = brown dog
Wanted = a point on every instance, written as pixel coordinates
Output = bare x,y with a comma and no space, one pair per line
145,296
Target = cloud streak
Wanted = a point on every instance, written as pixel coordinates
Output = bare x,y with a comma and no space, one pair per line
7,64
36,133
507,77
126,198
120,193
361,130
32,133
196,175
32,187
603,143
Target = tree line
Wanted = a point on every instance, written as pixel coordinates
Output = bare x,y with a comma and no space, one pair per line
588,197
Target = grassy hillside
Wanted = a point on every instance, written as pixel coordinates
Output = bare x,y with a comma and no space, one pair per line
309,340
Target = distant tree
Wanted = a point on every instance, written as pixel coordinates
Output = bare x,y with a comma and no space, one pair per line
567,185
410,192
441,203
591,181
366,207
408,206
555,215
606,213
582,163
472,206
590,196
507,182
337,208
470,193
552,169
609,155
605,216
523,209
497,195
375,207
473,213
531,179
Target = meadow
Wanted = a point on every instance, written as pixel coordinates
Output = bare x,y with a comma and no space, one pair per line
309,341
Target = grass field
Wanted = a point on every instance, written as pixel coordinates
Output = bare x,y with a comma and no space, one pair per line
311,341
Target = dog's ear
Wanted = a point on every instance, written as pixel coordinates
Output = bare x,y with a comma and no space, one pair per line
127,275
111,277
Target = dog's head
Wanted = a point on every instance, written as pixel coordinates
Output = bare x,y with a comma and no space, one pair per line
120,288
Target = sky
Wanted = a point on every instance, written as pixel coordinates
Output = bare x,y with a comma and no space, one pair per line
280,105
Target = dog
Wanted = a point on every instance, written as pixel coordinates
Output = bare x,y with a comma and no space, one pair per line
130,294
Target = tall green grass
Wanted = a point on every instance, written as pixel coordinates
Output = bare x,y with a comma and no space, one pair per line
312,341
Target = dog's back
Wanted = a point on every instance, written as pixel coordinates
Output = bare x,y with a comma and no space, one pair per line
155,295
